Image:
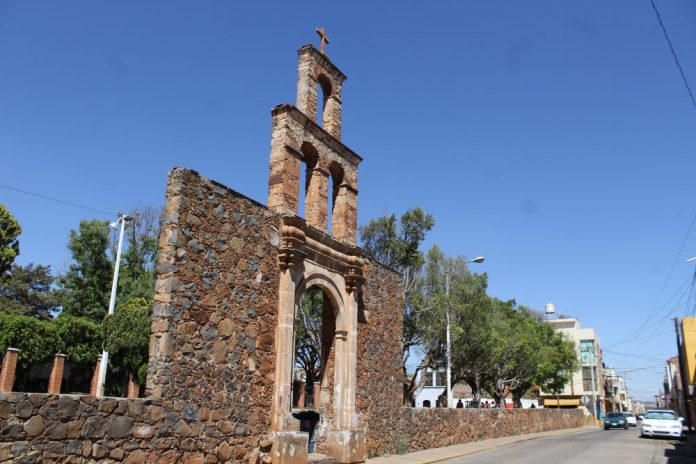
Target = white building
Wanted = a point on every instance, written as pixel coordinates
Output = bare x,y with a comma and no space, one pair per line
588,381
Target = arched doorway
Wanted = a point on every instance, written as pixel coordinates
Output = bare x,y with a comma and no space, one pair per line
315,327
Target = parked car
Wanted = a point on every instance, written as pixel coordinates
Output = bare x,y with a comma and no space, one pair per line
661,423
631,419
615,420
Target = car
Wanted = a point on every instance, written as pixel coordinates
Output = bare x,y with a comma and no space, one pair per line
662,423
615,420
631,419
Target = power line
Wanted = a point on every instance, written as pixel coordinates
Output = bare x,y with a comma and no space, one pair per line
45,197
674,53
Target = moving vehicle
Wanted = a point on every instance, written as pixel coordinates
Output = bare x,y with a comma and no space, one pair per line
631,419
615,420
661,423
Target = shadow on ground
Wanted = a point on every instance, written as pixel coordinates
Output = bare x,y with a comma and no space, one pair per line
682,451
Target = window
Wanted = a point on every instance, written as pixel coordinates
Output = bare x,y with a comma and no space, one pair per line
426,403
587,352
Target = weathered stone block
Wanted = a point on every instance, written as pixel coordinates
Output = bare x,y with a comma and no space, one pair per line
347,446
289,447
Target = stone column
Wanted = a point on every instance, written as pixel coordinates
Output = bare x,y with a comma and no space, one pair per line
95,376
9,367
284,178
56,378
332,115
317,200
285,356
344,224
133,388
307,86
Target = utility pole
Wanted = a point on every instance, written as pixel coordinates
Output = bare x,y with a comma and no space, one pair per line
101,377
682,374
592,378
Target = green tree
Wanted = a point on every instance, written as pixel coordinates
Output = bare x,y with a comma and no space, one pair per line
9,245
36,339
28,290
85,287
126,337
80,338
558,363
395,244
137,273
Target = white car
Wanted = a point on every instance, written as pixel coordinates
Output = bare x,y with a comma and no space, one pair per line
661,423
630,419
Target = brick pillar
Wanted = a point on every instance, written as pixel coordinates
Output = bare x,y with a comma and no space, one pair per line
133,388
344,223
56,378
9,367
317,199
95,377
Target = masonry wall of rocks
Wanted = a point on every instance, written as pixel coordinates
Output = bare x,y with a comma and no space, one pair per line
414,429
216,305
44,428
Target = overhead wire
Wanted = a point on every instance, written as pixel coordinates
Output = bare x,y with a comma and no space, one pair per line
46,197
674,53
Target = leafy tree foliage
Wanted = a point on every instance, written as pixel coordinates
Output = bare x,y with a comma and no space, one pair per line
395,244
28,290
137,273
86,285
126,336
36,339
80,338
9,245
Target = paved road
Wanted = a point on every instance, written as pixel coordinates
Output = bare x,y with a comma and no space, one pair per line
611,447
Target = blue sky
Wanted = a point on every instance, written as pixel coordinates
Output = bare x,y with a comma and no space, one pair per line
554,137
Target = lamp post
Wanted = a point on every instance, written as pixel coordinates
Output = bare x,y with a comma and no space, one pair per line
448,273
122,219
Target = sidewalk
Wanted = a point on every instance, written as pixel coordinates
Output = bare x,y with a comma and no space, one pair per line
455,451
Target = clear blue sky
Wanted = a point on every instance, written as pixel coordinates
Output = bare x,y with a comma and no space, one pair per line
556,138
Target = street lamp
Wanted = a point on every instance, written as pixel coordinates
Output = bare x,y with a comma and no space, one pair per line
122,219
448,272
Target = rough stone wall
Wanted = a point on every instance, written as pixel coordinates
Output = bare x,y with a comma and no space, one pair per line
379,369
44,428
414,429
216,305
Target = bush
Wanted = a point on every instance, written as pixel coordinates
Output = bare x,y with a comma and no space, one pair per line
81,338
37,340
126,336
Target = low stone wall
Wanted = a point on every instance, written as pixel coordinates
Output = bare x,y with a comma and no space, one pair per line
79,429
44,428
415,429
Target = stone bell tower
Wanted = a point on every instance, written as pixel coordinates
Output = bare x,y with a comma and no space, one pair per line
307,136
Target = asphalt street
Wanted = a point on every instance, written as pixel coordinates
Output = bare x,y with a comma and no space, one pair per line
595,446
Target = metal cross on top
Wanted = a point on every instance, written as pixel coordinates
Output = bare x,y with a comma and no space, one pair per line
324,38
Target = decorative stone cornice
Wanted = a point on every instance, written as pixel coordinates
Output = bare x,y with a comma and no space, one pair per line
298,242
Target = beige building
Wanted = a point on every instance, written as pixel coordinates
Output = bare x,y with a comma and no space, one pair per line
587,383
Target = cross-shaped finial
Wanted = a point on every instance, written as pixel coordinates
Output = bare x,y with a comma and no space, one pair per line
324,38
